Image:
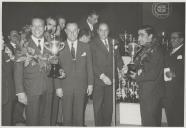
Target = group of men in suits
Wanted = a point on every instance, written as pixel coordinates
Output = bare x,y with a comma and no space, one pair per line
81,63
89,71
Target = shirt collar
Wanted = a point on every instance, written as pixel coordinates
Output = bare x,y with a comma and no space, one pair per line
70,43
13,44
90,25
36,40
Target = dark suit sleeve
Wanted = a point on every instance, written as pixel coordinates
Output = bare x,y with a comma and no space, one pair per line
89,66
57,82
97,70
18,77
153,68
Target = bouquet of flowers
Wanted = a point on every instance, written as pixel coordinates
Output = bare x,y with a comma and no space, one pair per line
28,55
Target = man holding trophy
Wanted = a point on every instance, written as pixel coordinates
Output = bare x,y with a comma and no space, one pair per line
76,61
149,75
33,86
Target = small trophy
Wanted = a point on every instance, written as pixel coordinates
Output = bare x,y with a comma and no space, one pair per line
133,48
54,47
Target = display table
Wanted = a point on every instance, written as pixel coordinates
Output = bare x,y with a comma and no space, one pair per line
129,115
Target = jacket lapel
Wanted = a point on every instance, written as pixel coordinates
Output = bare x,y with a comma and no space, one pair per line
78,52
33,45
102,47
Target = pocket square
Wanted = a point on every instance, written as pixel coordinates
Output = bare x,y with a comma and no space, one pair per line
179,57
84,54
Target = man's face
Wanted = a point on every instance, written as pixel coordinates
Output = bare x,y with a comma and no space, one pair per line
175,40
143,37
72,32
14,36
93,19
51,25
103,31
61,22
37,28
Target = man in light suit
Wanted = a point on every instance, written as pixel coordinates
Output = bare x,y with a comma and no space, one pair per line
174,98
76,61
33,87
102,54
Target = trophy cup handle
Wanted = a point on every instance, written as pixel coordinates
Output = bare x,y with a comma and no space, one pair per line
45,46
61,46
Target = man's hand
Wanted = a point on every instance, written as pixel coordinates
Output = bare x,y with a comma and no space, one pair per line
89,90
22,98
105,79
59,92
170,74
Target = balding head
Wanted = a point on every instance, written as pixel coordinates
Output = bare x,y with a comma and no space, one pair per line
72,31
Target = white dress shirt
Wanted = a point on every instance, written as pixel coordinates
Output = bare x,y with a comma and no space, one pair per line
74,45
36,41
104,42
13,45
90,25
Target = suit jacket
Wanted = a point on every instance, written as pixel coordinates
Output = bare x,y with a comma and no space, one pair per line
79,73
30,79
175,87
84,25
151,78
103,60
8,87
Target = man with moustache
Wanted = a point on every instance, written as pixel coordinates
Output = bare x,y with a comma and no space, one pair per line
174,98
102,54
33,87
76,61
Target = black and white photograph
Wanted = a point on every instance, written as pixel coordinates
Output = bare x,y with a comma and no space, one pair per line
93,64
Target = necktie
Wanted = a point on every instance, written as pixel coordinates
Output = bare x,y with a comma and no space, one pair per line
73,50
106,44
39,45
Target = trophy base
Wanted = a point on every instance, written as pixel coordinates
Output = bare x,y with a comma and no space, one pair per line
54,72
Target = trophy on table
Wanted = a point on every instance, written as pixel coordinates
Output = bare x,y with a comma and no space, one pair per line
55,46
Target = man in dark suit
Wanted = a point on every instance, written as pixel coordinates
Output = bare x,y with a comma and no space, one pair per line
90,23
102,53
8,87
33,87
150,77
174,98
76,61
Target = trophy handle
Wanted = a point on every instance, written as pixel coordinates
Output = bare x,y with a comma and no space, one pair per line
47,46
61,46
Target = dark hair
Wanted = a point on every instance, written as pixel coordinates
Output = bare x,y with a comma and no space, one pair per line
83,32
60,16
51,17
92,12
149,29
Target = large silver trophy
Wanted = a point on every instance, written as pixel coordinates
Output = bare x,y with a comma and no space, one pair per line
133,48
54,47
